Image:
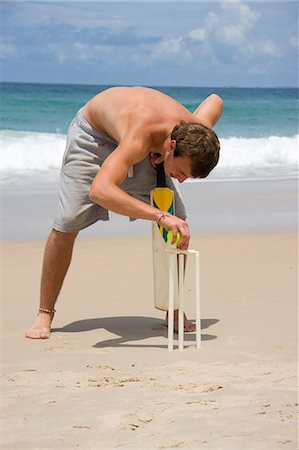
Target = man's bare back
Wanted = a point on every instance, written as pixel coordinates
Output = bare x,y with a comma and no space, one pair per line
145,116
121,110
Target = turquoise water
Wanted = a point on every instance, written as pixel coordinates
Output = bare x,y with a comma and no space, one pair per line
258,130
248,112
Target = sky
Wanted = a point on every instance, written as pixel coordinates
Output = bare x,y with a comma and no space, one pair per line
157,43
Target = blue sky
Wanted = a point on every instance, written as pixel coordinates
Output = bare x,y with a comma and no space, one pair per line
183,43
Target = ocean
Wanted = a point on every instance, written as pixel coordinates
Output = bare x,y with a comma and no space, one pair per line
258,130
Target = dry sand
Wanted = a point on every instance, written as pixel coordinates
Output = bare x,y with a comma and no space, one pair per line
105,378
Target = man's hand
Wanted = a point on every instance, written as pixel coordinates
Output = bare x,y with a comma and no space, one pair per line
176,224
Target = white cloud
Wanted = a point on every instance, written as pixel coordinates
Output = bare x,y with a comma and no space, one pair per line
212,20
268,47
232,34
163,50
240,12
171,51
200,34
169,46
233,28
225,36
237,20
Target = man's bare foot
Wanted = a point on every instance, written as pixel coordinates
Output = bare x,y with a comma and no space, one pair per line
189,327
41,329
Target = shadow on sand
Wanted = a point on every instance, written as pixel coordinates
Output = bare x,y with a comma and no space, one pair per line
131,329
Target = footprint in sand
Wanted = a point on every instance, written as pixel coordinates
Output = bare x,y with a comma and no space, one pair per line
213,388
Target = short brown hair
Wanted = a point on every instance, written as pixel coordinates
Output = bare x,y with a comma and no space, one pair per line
200,144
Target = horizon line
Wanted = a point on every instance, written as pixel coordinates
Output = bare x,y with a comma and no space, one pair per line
151,85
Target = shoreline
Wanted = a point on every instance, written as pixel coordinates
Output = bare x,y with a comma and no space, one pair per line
212,207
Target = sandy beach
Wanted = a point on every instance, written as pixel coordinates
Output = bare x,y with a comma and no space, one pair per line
105,378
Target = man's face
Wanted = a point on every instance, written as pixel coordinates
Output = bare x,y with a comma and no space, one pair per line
177,167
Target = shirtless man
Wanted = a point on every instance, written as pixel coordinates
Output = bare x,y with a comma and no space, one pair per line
113,146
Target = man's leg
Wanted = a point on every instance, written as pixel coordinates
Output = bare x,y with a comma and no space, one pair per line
57,258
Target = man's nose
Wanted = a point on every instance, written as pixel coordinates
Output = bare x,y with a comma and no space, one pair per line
181,179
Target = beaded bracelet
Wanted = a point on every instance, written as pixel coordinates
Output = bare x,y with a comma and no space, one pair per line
160,217
47,311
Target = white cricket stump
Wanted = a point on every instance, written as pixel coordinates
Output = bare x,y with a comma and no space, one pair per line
176,285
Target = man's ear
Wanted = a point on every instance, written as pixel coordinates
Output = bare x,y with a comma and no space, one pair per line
172,145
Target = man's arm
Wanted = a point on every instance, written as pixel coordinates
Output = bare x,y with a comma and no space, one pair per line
210,110
106,192
105,188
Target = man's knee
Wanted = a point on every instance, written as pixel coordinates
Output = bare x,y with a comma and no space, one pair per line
61,236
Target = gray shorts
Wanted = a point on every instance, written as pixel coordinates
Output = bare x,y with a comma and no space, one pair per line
86,150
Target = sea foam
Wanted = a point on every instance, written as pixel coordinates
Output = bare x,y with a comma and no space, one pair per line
33,153
23,151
